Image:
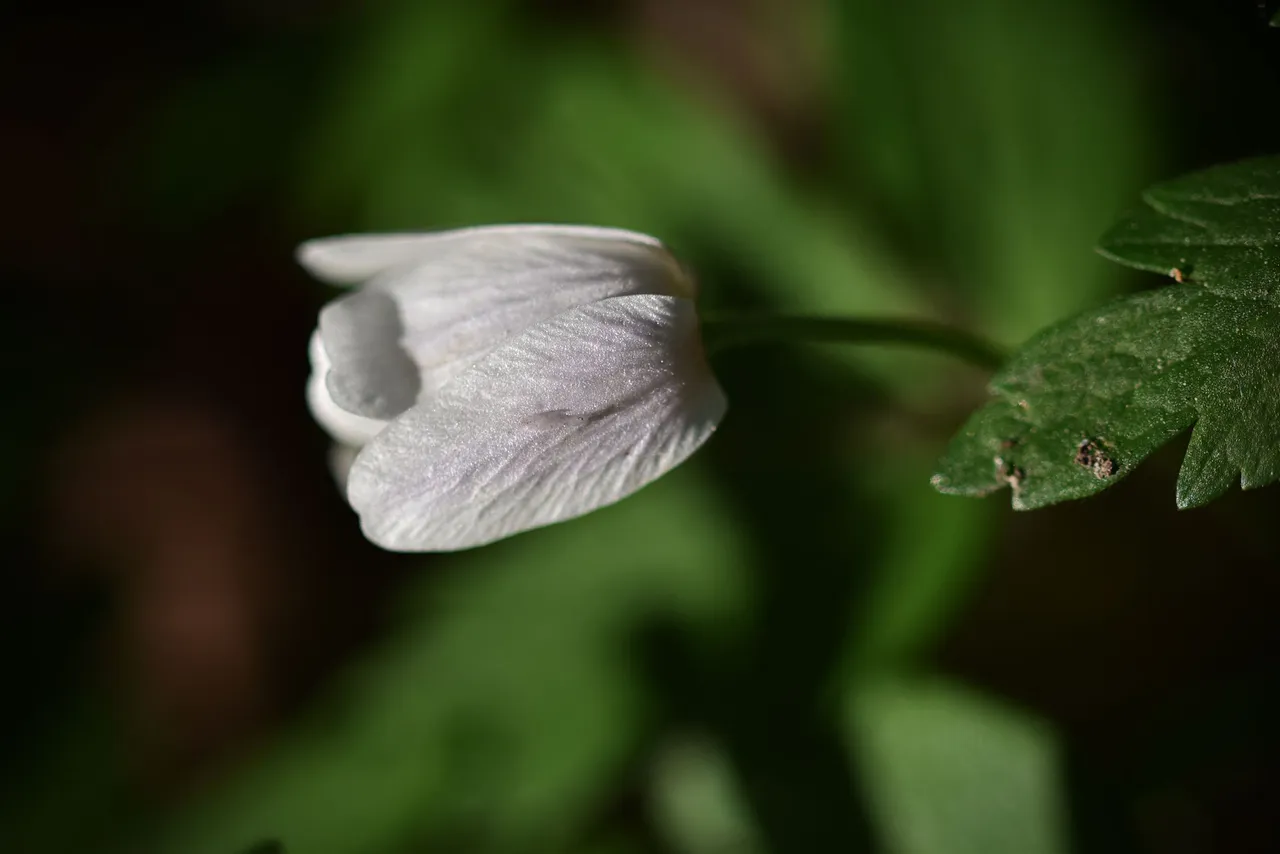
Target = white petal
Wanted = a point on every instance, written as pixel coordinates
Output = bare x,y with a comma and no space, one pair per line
341,458
574,414
351,259
462,293
370,372
345,427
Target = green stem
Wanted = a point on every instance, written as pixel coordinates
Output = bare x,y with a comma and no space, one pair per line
722,332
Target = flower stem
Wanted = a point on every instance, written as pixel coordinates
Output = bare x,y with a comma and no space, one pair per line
722,332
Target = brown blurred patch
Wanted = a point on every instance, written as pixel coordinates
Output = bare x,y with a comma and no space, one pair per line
167,495
760,58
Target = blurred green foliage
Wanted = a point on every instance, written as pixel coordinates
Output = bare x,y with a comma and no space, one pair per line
999,137
497,718
737,648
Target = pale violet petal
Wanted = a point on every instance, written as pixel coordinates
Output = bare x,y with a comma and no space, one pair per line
576,413
345,427
461,293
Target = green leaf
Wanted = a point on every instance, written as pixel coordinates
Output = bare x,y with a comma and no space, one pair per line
1082,403
948,771
1219,228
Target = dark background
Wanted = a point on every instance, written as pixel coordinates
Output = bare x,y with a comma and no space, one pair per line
790,644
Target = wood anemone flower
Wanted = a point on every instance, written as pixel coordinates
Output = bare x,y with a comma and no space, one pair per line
503,378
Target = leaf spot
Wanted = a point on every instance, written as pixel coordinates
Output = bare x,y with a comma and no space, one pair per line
1007,472
1089,455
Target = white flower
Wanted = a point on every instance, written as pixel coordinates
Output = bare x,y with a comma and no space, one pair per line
504,378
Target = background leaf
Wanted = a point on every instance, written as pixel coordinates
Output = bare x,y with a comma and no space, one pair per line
696,801
956,772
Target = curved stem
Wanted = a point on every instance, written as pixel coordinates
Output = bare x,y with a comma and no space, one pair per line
722,332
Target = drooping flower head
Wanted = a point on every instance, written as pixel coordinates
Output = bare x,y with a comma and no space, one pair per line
504,378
